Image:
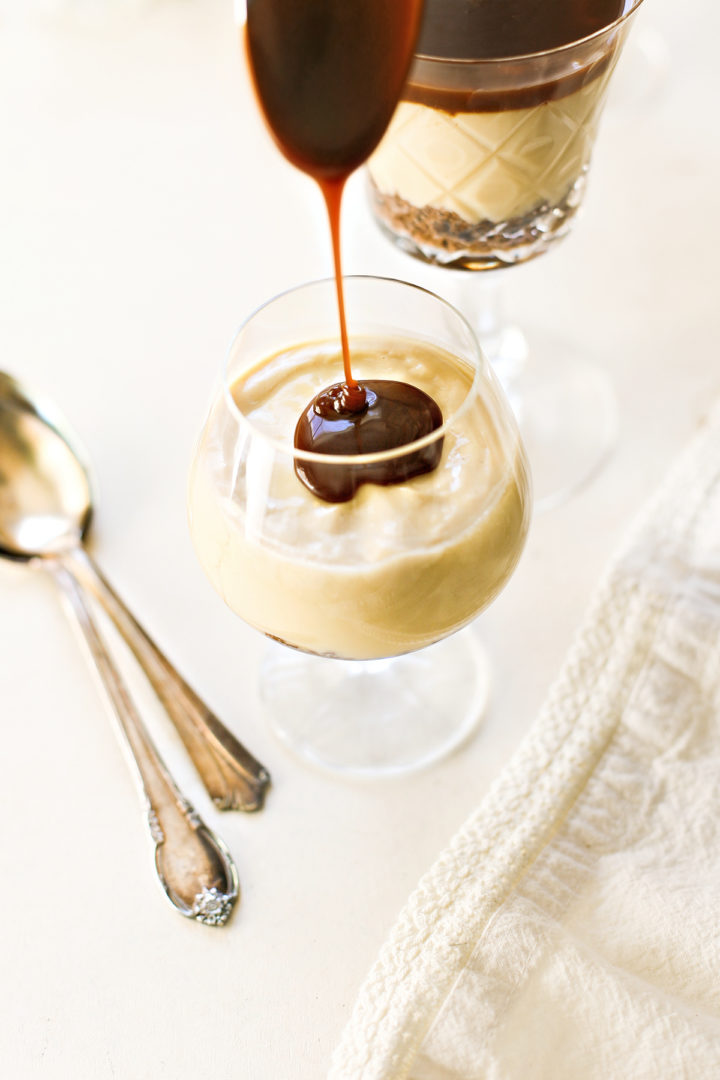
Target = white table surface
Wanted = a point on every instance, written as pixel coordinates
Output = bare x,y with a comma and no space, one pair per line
143,214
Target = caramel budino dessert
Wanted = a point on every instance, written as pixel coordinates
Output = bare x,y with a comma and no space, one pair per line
374,565
484,162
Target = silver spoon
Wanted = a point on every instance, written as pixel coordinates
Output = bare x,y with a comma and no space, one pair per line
45,510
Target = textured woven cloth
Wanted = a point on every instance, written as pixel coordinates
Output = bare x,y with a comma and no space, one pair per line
572,928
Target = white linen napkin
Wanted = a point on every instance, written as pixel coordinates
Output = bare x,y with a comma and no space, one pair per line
572,928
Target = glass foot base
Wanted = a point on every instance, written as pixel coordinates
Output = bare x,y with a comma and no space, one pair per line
567,412
564,403
379,717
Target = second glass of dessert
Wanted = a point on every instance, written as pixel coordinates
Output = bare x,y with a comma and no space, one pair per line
359,558
484,166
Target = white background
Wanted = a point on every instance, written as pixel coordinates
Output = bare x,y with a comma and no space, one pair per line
143,214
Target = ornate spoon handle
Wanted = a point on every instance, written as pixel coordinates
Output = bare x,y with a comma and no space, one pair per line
233,777
194,866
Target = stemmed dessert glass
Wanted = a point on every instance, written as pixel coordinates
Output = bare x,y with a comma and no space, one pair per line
483,167
357,587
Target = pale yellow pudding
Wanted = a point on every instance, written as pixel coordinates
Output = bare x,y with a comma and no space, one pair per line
489,166
396,567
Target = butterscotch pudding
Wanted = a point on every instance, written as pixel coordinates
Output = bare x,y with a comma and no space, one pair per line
391,569
484,162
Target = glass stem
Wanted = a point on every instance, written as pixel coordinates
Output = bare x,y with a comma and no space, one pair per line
481,297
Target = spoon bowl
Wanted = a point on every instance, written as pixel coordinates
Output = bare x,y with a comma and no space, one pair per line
45,498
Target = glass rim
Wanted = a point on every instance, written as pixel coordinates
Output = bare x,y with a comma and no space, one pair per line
557,50
288,448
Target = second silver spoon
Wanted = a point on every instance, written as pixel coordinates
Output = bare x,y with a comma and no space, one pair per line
45,511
